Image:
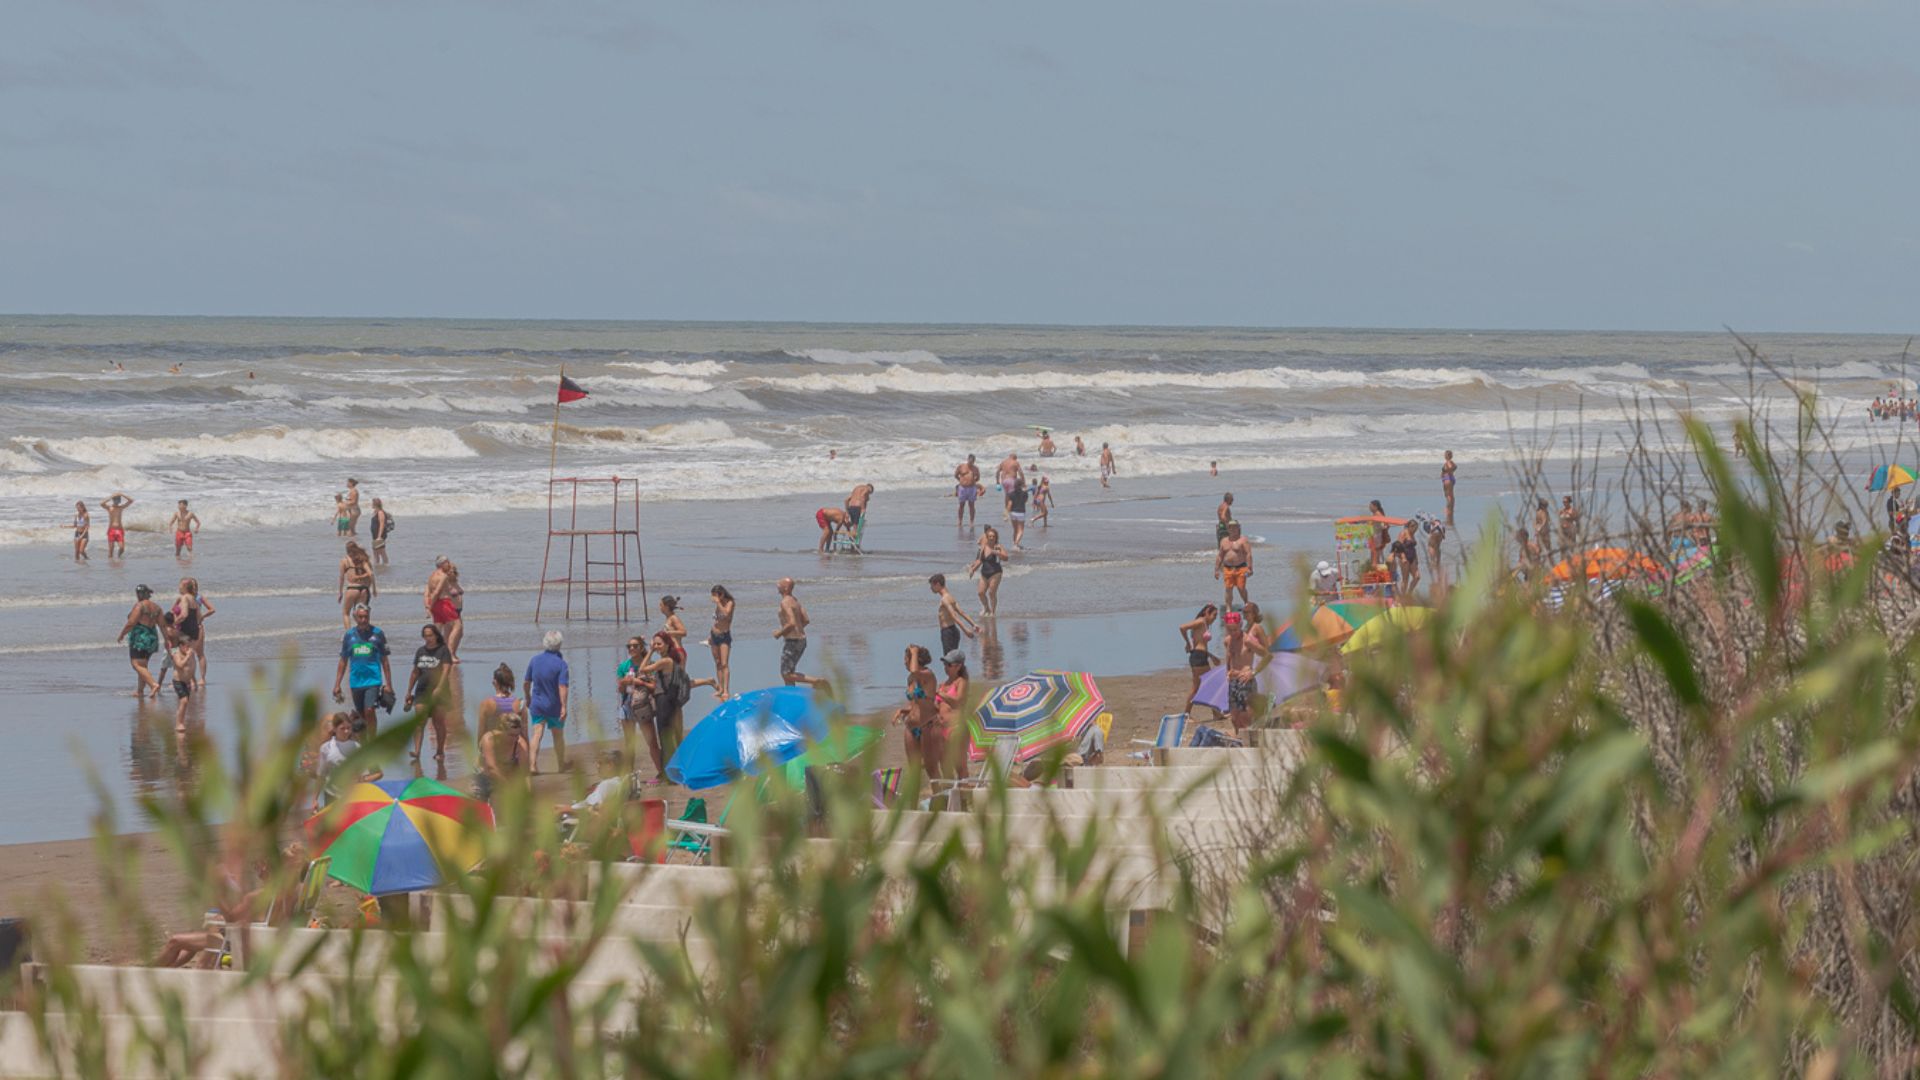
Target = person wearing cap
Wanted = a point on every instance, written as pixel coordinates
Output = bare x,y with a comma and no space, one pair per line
674,628
1246,658
1233,564
1325,582
142,635
363,653
950,701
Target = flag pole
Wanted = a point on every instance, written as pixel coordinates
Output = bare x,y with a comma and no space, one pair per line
553,455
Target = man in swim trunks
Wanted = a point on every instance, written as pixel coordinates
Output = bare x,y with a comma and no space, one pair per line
857,503
185,523
950,616
82,525
1107,468
1245,659
116,531
966,488
1233,563
1225,513
1079,448
1046,443
831,520
364,651
792,633
1006,475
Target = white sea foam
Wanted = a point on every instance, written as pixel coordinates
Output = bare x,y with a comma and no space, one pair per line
703,434
675,384
17,462
873,356
277,444
698,369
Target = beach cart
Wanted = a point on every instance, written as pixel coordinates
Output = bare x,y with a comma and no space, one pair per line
1352,558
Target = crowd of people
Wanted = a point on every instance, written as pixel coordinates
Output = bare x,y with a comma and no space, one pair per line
1892,407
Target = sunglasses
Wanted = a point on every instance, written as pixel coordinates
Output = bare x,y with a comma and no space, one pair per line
631,645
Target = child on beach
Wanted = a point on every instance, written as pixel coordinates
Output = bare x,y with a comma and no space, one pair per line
180,654
333,754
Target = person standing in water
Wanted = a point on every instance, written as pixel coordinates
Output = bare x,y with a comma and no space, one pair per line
353,507
1017,509
363,653
1046,443
356,585
82,526
857,505
831,520
1224,512
1043,502
377,530
792,634
720,639
1004,476
190,613
142,635
184,524
442,602
1107,466
1079,447
1447,468
988,563
116,529
949,616
1233,564
966,489
341,518
674,628
427,688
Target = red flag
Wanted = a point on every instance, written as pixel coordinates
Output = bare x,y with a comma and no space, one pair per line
570,390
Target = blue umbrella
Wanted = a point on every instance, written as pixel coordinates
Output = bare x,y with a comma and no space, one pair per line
747,733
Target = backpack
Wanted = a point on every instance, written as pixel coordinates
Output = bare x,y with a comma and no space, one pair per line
392,524
675,691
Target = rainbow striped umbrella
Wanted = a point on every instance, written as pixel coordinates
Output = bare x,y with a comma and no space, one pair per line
1889,476
1330,624
1043,710
393,836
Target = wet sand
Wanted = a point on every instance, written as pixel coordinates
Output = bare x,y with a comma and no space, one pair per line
65,874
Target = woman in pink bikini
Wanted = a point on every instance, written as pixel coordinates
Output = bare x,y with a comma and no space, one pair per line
949,703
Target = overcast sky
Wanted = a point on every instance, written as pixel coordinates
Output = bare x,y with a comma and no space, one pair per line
1455,163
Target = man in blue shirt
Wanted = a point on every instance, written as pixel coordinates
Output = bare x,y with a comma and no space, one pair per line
545,689
364,651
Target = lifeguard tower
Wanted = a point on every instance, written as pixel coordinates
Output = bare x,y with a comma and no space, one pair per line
598,562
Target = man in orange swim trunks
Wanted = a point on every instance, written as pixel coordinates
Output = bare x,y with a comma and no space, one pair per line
116,530
1233,563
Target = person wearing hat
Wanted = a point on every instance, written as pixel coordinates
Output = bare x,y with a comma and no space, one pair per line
950,701
1325,582
674,628
1233,564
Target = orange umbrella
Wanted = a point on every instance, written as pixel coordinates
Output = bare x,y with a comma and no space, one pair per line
1610,563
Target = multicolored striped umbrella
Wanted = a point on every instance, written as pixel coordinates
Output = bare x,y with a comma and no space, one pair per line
393,836
1043,710
1329,625
1889,476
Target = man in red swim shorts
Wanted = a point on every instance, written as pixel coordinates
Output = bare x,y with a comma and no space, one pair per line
116,531
185,523
830,518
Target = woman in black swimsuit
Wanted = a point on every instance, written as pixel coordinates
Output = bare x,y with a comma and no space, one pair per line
1195,633
720,640
988,564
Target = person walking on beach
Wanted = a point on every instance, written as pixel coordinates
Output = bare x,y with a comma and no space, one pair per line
1004,476
378,530
1447,468
1224,514
1233,564
191,612
988,563
356,585
1195,634
720,639
116,529
365,667
792,634
966,490
180,654
925,743
82,526
1017,509
949,616
184,524
427,686
1245,659
1107,466
341,518
442,600
142,635
353,507
544,690
1043,502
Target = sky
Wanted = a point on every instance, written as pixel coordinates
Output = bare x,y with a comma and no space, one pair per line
1561,164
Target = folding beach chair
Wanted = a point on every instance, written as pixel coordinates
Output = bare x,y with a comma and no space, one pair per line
691,832
1173,728
849,543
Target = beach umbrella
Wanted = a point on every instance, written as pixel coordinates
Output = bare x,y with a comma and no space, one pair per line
1390,622
1289,674
1043,710
394,836
843,743
1608,562
1889,476
1330,624
746,733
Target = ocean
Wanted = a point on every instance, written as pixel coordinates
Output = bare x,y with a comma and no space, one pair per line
737,433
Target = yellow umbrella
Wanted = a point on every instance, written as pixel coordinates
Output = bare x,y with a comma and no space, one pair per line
1378,630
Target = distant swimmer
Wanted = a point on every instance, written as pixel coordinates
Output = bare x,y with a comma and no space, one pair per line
952,620
1079,448
1004,476
116,529
1447,468
341,518
989,563
184,524
792,634
353,506
1046,443
1213,468
966,489
1107,467
831,519
357,585
1233,564
833,455
82,527
174,370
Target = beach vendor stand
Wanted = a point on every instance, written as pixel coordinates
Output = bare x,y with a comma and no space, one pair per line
1360,576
